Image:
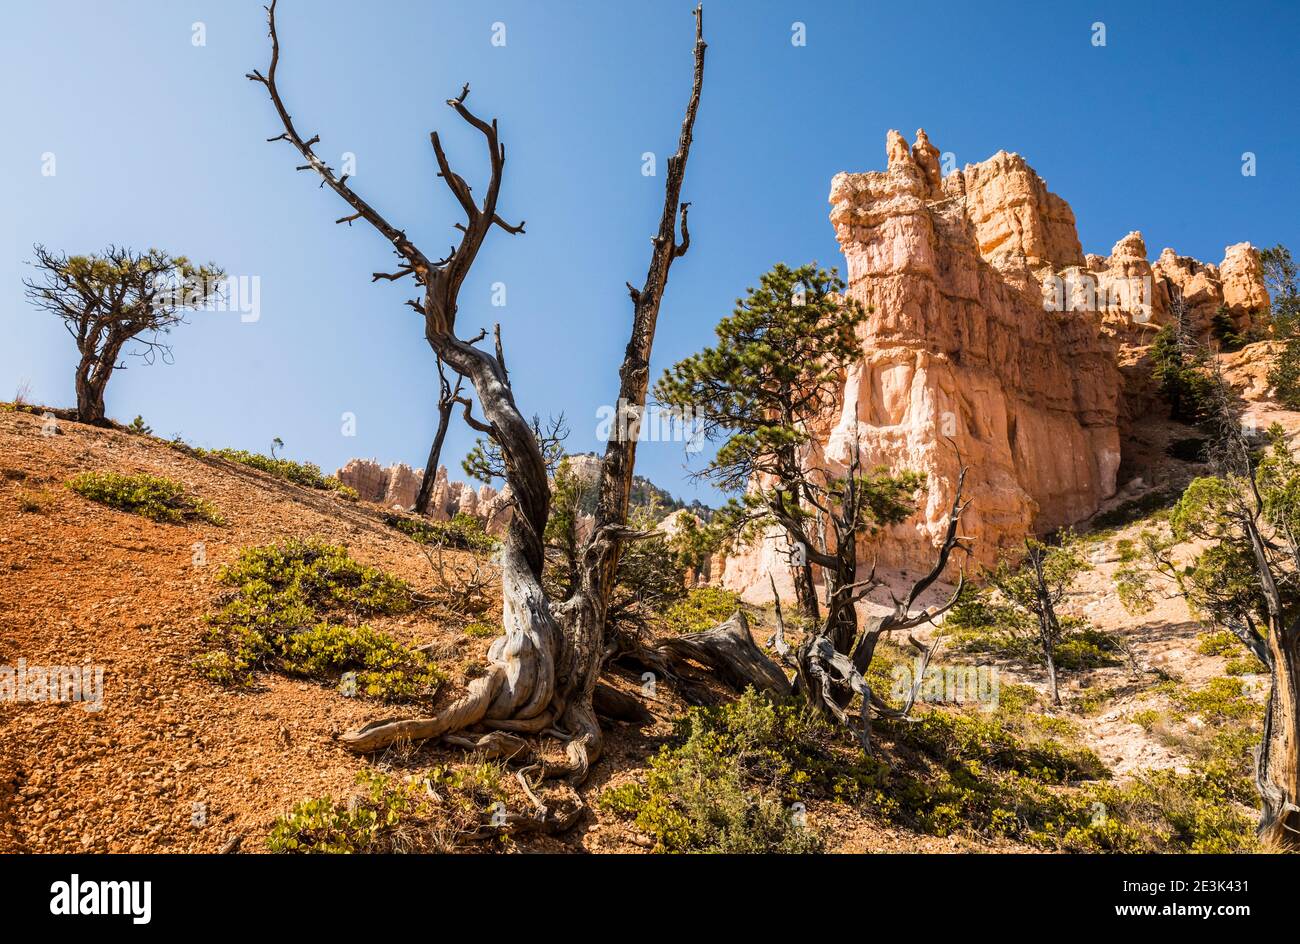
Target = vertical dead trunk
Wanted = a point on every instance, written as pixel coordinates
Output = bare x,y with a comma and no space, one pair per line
805,591
1277,772
446,401
543,670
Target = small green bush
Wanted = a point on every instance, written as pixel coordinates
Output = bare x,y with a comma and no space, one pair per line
1219,699
278,615
1218,643
463,532
154,497
482,629
388,814
728,782
702,608
977,624
300,473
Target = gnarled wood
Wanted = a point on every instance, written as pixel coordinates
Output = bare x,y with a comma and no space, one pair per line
543,670
730,652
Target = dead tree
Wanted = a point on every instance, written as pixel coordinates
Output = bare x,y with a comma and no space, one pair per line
544,669
448,397
114,302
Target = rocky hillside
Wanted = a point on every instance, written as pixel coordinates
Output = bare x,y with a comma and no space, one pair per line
173,761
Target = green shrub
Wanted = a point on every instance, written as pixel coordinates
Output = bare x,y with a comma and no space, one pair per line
1148,718
463,532
727,783
139,427
388,814
278,615
1245,665
1218,643
300,473
1028,746
702,608
1219,699
482,629
152,496
978,624
1204,811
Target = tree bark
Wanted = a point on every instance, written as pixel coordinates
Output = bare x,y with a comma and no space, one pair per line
805,590
543,671
1277,772
91,381
446,402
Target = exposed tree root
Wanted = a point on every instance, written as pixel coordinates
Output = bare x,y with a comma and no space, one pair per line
731,653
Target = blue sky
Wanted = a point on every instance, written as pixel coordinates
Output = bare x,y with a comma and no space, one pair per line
159,142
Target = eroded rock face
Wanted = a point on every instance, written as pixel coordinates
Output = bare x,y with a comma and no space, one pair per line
992,342
367,476
399,485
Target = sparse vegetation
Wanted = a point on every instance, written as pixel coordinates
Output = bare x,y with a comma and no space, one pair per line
463,532
296,608
35,501
435,812
728,781
307,474
700,609
154,497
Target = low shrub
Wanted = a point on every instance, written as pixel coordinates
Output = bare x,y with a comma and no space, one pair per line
700,609
482,629
154,497
463,532
435,812
978,624
295,607
307,474
728,782
1220,699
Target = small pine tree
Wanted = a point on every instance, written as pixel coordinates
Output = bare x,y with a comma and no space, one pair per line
1283,281
1224,330
1038,587
777,367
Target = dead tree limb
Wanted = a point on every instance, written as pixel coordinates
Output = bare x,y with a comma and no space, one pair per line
543,670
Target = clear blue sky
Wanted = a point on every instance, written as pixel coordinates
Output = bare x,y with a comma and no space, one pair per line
159,142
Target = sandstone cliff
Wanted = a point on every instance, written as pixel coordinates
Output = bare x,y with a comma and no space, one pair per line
995,343
398,485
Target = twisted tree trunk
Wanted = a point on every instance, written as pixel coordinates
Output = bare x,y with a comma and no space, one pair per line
1277,770
544,668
